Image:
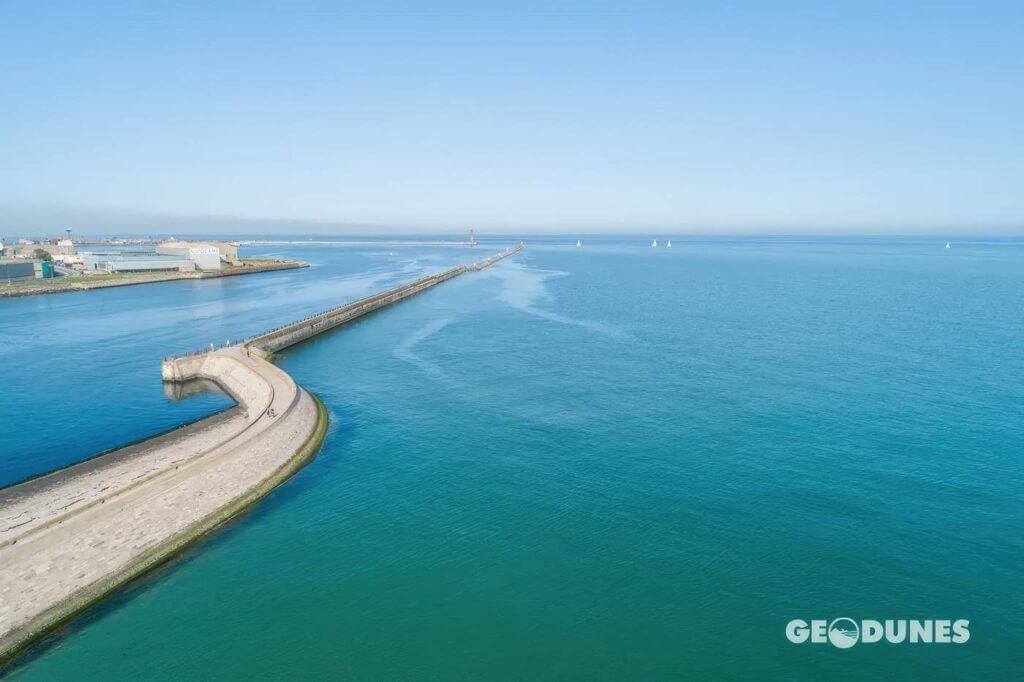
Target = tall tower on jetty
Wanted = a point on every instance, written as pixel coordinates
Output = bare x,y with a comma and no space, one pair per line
472,239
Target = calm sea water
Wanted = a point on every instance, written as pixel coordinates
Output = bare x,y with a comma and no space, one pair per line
610,462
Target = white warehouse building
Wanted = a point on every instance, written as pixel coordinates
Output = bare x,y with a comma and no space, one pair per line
207,255
120,262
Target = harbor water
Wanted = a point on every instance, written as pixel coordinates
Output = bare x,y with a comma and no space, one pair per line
611,461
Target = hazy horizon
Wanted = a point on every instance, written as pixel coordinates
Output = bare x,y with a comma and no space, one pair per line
845,118
93,221
98,221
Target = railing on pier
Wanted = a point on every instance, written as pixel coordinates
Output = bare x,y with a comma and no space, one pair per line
494,259
208,348
333,317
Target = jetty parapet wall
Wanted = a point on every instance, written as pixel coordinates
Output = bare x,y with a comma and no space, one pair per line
69,538
291,334
495,258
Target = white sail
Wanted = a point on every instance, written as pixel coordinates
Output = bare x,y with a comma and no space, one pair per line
578,244
654,242
669,244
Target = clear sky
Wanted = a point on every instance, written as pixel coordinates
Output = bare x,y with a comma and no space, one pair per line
557,116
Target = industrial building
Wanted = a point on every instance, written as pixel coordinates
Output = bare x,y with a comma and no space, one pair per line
207,255
29,250
169,256
16,270
116,262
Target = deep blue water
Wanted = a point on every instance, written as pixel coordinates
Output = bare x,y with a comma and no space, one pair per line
608,462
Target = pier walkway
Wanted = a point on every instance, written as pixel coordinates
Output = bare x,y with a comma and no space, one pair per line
69,538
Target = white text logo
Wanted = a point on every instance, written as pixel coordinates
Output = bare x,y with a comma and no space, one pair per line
844,632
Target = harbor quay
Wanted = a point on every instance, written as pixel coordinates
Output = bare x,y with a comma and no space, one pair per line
71,537
32,286
58,265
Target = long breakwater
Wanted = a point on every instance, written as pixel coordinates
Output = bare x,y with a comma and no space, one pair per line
69,538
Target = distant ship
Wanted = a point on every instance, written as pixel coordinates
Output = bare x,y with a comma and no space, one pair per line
654,242
578,244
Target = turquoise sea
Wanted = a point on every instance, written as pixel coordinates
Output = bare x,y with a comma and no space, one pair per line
611,462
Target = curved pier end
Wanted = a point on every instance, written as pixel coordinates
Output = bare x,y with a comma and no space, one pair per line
249,380
71,537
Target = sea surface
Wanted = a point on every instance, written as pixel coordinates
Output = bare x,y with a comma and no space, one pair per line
608,462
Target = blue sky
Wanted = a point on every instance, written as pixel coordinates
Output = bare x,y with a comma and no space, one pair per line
672,117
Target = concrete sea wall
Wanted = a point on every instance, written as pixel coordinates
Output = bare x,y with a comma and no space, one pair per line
290,334
69,538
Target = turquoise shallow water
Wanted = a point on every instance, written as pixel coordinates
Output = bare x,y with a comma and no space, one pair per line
609,462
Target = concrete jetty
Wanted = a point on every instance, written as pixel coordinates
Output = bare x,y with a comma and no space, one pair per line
71,537
290,334
497,257
61,285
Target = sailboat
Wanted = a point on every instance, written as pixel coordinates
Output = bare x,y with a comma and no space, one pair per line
578,244
669,244
654,242
948,245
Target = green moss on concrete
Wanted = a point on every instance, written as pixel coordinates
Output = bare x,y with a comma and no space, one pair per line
46,622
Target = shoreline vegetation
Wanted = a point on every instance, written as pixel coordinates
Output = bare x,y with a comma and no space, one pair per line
60,285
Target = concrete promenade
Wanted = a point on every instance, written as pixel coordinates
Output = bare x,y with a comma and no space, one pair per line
69,538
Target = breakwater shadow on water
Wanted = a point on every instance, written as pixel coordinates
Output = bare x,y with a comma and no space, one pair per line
224,413
183,390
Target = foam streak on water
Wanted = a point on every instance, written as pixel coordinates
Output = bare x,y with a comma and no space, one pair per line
404,350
